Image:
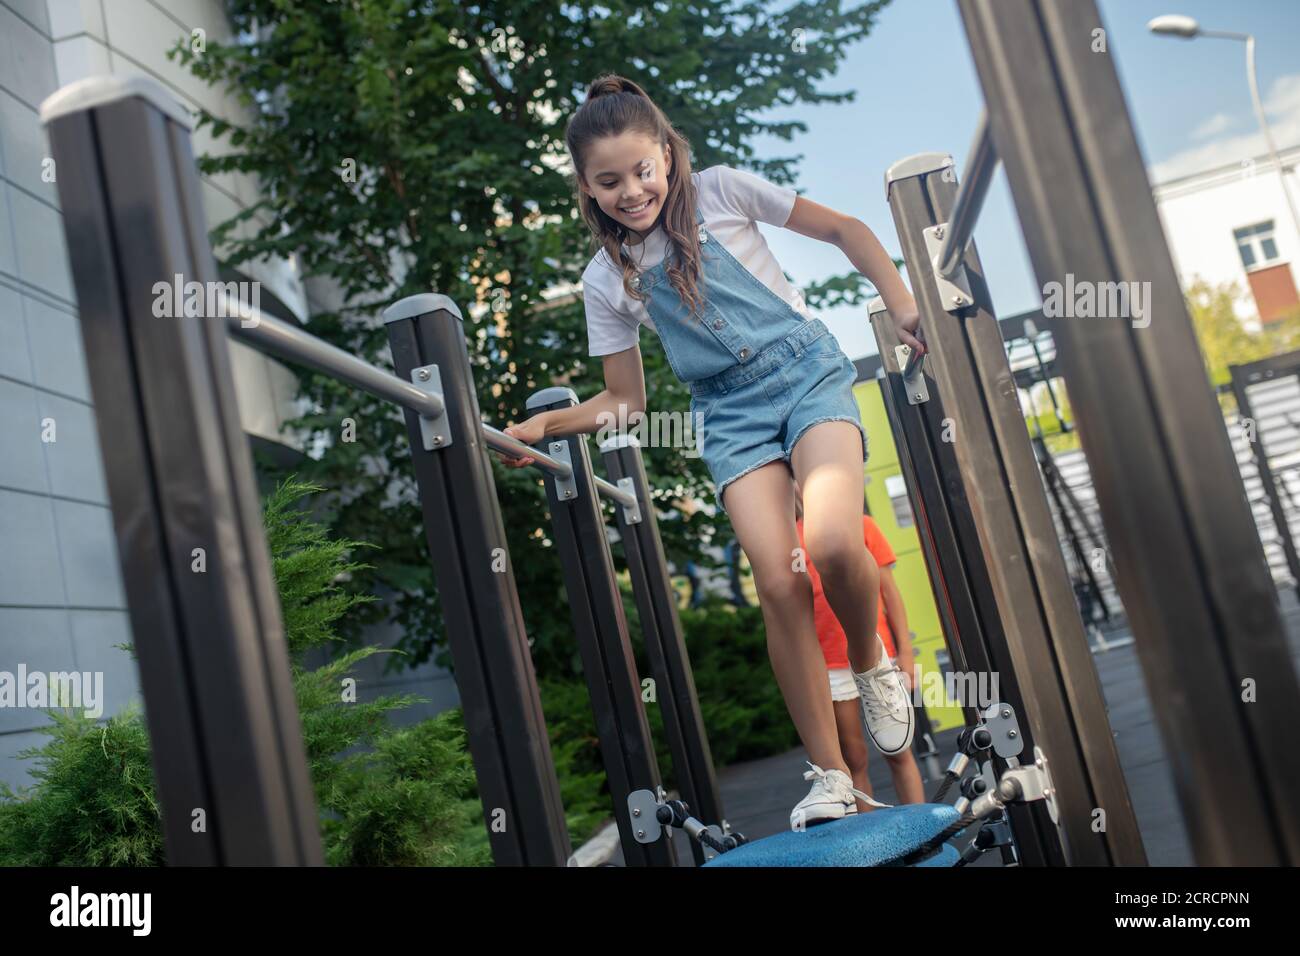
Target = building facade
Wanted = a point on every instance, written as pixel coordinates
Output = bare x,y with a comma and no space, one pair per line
1232,224
62,606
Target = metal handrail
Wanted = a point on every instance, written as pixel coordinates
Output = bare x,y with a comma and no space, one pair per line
981,163
505,443
616,493
561,469
269,334
286,340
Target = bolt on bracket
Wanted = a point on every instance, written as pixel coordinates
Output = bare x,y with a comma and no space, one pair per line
1000,718
566,489
955,292
917,392
642,807
632,512
435,433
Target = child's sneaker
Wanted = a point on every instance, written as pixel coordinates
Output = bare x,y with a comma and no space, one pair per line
831,798
886,705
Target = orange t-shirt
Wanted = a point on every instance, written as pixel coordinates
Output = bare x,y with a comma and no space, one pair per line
831,636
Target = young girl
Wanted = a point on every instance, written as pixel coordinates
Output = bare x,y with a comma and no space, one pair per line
681,253
891,620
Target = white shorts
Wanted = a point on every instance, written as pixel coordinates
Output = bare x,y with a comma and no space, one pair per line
843,687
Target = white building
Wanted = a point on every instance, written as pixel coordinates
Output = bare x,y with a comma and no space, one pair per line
1232,224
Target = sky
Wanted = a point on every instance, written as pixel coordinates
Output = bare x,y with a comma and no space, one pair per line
1189,100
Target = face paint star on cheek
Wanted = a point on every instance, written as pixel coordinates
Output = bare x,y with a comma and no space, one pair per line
647,169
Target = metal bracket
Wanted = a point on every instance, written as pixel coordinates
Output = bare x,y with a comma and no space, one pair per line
1049,790
565,488
632,512
1002,724
718,834
1035,782
435,432
917,392
995,834
641,807
954,293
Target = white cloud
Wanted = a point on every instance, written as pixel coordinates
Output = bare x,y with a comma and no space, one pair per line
1213,126
1281,106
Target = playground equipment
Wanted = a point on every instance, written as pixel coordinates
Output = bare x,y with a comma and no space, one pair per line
212,660
1188,564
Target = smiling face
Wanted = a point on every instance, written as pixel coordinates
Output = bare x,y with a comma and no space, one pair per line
627,176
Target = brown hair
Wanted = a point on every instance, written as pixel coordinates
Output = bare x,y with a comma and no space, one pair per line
613,106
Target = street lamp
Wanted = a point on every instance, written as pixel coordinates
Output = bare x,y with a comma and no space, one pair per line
1186,28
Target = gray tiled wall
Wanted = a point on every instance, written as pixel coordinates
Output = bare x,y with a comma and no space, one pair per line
61,601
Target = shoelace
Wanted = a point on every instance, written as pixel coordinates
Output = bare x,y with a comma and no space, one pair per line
821,777
888,699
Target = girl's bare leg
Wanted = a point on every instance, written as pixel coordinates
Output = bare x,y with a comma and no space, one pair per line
907,777
827,463
853,744
761,508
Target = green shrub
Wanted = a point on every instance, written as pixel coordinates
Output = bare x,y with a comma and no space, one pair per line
93,802
387,796
406,797
740,700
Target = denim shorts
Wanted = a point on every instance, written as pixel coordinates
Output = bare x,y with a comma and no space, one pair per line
755,412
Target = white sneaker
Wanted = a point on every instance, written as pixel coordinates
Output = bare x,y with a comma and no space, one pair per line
831,798
886,705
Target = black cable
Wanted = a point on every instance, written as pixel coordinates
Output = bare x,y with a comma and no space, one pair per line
930,846
949,778
708,839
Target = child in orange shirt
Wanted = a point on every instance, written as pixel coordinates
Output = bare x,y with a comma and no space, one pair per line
844,693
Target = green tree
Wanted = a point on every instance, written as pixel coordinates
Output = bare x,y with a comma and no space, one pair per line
1224,340
452,117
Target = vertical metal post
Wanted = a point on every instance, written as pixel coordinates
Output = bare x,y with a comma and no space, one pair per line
662,630
476,588
1190,566
225,734
1046,647
600,626
959,575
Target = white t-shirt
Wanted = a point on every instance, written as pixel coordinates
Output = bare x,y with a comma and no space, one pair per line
732,203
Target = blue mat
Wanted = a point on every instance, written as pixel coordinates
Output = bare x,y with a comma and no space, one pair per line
865,839
947,857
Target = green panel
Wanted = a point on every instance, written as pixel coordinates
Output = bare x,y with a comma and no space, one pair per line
910,572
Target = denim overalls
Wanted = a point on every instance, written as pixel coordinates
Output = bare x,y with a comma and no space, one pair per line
760,373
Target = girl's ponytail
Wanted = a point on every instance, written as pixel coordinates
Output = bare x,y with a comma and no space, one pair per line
611,83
